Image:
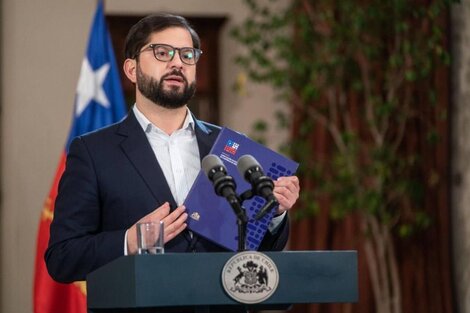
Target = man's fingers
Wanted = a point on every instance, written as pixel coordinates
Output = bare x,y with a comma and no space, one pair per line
286,190
290,183
175,223
158,214
173,216
169,236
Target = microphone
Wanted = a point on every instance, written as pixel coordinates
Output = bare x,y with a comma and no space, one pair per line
224,185
261,184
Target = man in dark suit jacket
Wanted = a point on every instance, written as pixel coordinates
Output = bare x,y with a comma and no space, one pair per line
141,168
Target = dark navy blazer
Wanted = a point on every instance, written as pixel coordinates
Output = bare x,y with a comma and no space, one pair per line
111,180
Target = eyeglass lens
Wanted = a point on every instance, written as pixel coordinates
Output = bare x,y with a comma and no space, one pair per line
166,53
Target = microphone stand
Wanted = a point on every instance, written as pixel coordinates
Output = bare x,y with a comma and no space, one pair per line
242,234
236,202
242,221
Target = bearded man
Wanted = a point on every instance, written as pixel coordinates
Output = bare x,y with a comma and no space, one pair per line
141,169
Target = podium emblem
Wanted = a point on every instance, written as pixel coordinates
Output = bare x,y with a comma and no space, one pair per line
250,277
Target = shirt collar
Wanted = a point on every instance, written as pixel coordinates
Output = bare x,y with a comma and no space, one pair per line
147,126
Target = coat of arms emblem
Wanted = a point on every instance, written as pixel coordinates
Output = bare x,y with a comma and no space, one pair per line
250,277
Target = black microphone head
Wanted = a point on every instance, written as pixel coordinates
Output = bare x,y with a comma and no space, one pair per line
209,162
247,162
224,185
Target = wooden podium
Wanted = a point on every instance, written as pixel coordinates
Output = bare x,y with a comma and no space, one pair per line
149,283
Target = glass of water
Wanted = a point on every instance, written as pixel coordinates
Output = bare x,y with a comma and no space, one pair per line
150,238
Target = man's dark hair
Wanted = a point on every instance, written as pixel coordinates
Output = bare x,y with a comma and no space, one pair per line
139,33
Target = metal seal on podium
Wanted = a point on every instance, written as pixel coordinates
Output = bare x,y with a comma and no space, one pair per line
250,277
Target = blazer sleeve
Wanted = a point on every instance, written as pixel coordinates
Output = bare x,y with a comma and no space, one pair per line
278,240
77,244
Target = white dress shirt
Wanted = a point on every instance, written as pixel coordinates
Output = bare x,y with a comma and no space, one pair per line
177,154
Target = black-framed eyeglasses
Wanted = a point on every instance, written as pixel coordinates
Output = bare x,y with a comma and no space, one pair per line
166,53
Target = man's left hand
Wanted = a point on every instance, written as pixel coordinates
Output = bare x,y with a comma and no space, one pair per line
286,190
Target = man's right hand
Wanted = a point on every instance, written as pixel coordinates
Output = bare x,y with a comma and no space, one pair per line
175,223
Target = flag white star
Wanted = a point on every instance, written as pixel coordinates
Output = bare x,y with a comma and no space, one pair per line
90,86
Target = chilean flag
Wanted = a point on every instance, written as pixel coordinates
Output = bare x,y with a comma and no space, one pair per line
99,101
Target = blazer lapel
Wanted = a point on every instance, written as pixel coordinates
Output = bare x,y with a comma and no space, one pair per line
140,153
205,138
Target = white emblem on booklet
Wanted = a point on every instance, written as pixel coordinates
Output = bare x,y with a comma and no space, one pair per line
195,216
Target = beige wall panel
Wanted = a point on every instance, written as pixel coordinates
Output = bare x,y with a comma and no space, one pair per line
42,46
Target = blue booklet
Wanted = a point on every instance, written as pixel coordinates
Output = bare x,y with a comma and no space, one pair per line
211,216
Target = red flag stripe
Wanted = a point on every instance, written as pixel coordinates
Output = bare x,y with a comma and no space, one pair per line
68,298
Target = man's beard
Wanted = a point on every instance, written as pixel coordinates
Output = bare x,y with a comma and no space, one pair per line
170,99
